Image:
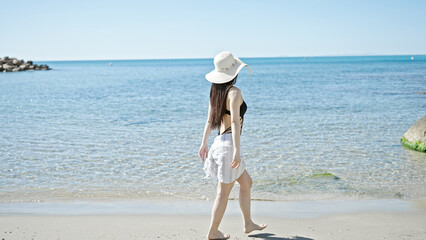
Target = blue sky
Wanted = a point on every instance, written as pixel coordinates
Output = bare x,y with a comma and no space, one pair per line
76,30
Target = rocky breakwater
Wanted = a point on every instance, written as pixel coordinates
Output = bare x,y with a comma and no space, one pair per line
15,65
415,137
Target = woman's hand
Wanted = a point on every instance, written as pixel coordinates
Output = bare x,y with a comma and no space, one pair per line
236,160
203,152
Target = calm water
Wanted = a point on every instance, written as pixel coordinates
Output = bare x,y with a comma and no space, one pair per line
316,128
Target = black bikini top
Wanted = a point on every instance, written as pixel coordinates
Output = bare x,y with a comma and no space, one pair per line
243,110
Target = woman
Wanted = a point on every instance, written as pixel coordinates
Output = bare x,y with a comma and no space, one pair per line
223,161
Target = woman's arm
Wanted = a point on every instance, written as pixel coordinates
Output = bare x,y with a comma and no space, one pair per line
207,130
234,104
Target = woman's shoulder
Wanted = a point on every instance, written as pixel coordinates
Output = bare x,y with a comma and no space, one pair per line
234,92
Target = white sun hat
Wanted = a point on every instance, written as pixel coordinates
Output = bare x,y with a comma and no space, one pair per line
226,68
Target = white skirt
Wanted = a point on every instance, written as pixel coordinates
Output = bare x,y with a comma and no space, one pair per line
220,156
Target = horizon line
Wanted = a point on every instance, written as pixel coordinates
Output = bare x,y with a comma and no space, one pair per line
195,58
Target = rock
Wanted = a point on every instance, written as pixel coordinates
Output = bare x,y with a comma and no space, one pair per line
415,137
6,66
325,175
14,65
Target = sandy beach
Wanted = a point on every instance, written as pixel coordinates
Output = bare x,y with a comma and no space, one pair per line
373,225
348,224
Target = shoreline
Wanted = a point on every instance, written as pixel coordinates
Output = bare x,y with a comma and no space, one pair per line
284,209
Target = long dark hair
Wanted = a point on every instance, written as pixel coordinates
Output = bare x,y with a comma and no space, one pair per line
218,94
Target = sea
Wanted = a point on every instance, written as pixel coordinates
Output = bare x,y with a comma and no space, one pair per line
316,128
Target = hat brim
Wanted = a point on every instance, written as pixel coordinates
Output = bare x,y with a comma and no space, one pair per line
226,76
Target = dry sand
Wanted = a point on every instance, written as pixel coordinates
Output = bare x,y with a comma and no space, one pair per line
363,225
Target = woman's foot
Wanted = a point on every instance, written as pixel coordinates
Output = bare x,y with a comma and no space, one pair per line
218,235
252,226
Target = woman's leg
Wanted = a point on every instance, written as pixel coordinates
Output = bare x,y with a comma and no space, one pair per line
223,191
245,203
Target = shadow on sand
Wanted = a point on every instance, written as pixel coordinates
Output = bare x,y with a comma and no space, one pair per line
271,236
